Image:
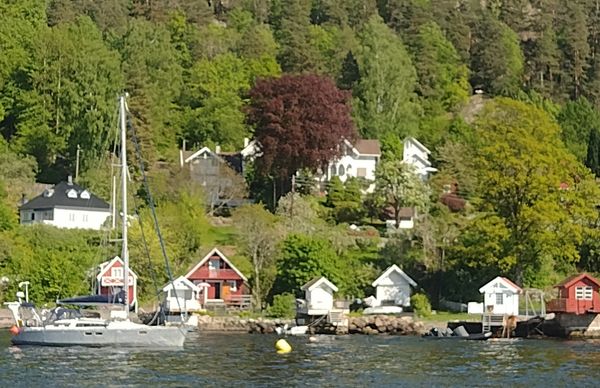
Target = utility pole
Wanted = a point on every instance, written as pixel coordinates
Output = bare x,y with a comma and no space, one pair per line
293,195
77,163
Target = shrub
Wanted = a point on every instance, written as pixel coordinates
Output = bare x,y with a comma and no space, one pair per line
284,306
421,305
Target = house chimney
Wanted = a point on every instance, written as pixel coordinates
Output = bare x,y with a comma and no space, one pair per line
70,180
246,142
217,149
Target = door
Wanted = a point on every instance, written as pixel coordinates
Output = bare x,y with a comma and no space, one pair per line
215,290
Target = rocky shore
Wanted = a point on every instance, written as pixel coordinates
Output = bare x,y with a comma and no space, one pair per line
368,325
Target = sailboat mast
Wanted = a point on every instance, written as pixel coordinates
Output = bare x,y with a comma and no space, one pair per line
125,250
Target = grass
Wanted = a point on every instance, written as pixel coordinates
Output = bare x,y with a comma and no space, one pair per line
445,316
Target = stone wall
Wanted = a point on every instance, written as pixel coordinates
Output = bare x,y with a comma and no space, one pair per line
385,324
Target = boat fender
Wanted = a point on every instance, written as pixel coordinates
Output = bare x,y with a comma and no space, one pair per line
14,330
282,346
312,338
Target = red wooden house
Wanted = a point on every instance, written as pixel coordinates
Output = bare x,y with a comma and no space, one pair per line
577,294
226,283
110,280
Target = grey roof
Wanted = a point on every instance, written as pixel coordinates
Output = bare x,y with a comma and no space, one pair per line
59,198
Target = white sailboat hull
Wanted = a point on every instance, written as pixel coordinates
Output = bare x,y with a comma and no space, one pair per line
133,335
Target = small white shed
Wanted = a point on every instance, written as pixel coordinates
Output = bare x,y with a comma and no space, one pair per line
319,296
501,296
188,294
393,288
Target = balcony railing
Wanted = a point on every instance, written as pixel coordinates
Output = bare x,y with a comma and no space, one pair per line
556,305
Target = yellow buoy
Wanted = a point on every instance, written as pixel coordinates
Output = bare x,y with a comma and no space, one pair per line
282,346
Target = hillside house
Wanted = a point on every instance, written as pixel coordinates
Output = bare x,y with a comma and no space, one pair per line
66,205
226,285
358,160
417,155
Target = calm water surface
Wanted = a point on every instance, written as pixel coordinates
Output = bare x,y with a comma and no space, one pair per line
240,360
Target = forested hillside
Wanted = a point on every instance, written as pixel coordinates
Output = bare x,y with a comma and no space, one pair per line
506,94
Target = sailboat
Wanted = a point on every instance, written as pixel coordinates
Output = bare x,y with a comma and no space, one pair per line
68,327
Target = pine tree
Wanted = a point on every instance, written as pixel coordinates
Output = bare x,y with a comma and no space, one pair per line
592,161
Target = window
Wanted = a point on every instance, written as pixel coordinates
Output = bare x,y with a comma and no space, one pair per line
584,293
213,264
72,217
85,194
183,294
499,299
85,218
117,273
333,171
361,172
342,170
232,285
72,193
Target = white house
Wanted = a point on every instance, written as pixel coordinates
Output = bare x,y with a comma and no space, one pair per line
417,154
318,295
393,288
66,205
357,160
501,296
190,295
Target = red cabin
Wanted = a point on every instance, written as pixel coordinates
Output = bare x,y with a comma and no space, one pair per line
226,284
577,294
110,280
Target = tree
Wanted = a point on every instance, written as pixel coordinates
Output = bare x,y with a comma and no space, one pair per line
292,33
572,38
385,103
593,152
496,58
258,233
299,122
576,119
523,171
398,186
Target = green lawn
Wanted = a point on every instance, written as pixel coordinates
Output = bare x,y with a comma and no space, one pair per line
444,316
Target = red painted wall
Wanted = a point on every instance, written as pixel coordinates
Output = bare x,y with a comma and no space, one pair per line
579,306
217,278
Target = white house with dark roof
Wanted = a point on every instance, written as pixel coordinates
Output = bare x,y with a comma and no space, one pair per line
417,154
66,205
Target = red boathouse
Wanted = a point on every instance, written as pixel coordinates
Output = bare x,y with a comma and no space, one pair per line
110,280
227,285
577,294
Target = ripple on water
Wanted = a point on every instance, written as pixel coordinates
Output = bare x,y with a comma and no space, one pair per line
241,360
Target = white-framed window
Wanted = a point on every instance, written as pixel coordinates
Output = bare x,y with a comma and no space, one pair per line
584,293
333,171
85,218
85,194
72,217
72,193
361,172
214,264
117,272
232,285
499,299
342,170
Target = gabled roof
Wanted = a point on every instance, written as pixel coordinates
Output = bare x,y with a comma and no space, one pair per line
217,252
104,267
575,278
57,197
388,272
507,283
181,280
316,282
426,162
417,143
198,153
368,147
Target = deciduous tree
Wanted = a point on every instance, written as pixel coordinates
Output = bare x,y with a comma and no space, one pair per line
299,123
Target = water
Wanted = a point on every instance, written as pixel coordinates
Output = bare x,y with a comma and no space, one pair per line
241,360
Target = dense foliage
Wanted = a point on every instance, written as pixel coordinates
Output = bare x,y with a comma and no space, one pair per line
505,93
